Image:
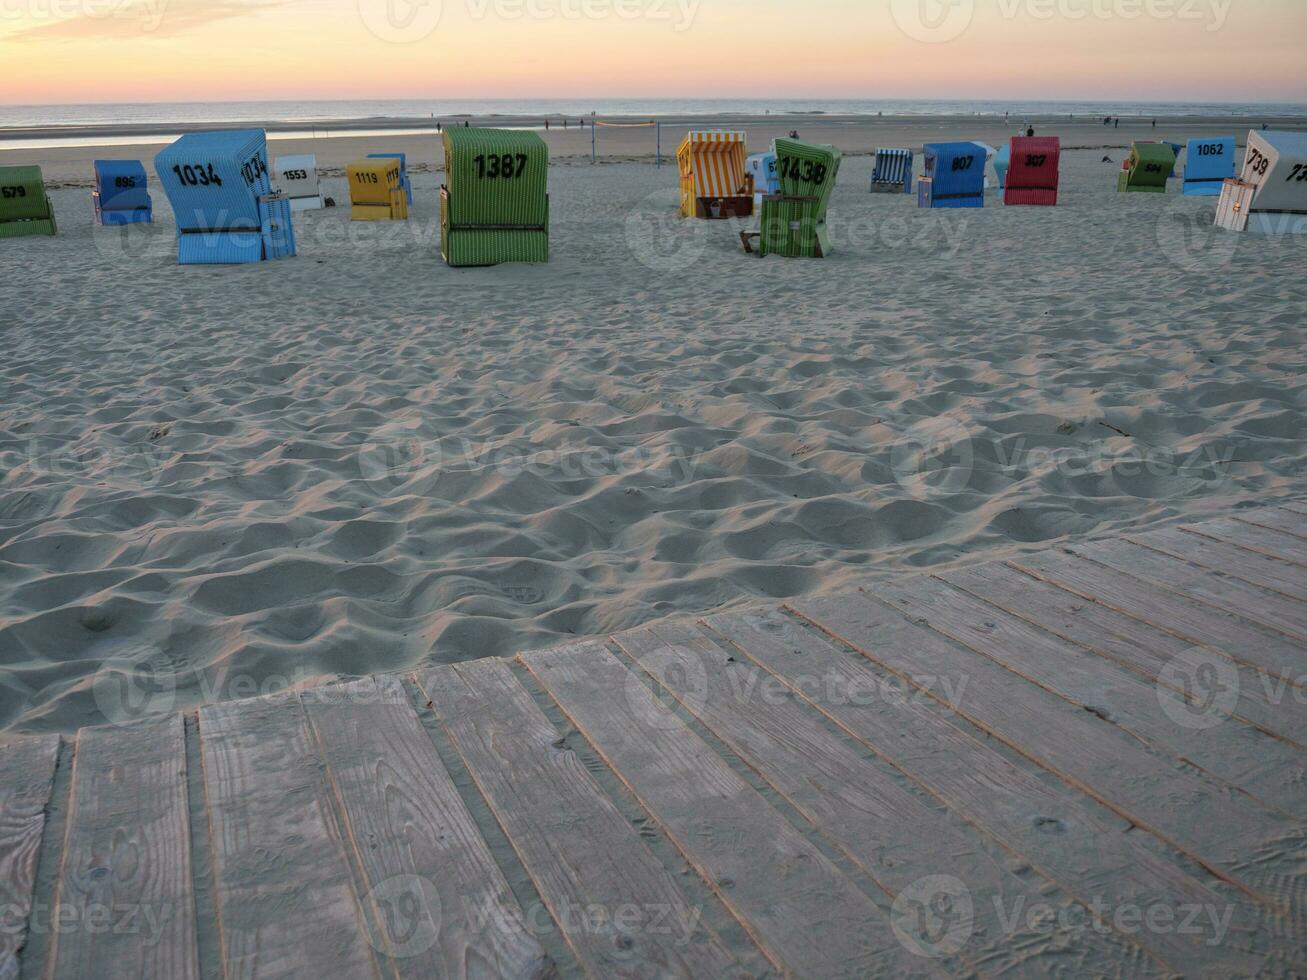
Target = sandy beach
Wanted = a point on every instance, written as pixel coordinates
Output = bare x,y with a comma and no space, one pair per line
360,460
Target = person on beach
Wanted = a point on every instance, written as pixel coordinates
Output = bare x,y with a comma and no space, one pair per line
546,125
1030,130
1117,124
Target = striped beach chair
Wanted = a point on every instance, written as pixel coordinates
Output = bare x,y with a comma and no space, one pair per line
1002,163
25,207
766,180
1208,164
1147,169
892,173
495,206
793,222
1177,149
1033,175
954,177
1270,195
715,183
375,190
296,176
403,172
121,195
222,198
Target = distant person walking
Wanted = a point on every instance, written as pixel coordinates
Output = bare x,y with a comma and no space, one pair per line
1030,130
1117,123
546,125
1154,123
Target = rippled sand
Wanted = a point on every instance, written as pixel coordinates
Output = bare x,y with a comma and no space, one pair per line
359,460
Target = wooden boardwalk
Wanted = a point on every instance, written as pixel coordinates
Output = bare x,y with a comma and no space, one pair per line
1086,762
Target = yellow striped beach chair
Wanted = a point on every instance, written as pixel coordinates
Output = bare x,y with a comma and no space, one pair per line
715,182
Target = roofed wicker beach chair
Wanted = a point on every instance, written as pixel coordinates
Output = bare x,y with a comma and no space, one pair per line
1002,163
766,180
1270,195
793,222
222,198
121,195
296,176
892,173
376,192
25,207
1147,169
495,206
1034,172
404,180
954,176
1209,163
715,180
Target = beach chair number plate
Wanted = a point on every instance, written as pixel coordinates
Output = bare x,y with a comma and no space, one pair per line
1211,150
1257,163
9,193
508,166
1152,168
296,175
1036,159
1299,173
198,175
128,182
803,170
963,163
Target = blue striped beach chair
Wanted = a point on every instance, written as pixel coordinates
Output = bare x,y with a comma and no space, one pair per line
404,180
121,196
1208,164
221,193
955,176
892,173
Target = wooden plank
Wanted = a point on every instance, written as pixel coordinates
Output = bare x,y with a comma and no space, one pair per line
1259,539
1137,646
1191,813
1070,840
26,778
1269,770
861,806
1278,518
125,881
1277,612
441,906
1225,556
1276,657
286,898
796,904
578,848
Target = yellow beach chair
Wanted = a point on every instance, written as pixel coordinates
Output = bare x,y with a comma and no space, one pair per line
376,192
715,182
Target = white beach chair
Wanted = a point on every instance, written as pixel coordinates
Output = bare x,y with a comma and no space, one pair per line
1270,194
296,176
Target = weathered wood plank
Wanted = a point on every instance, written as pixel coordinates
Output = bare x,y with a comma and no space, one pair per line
1193,814
1225,556
1278,518
1259,539
795,903
1268,769
1277,657
860,805
286,898
441,906
1081,846
579,850
1148,651
1278,612
125,881
26,778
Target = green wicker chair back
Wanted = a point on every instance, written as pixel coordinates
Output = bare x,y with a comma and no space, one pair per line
794,222
495,205
24,205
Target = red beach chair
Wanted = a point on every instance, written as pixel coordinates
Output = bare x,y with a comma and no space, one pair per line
1033,175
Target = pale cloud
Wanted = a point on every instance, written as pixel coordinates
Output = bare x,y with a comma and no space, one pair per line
80,20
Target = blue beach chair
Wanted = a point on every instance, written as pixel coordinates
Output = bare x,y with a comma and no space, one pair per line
1002,161
1177,149
120,195
766,179
222,197
892,173
955,176
404,181
1208,164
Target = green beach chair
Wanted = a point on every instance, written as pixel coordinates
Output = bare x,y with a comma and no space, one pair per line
24,205
793,222
495,206
1149,166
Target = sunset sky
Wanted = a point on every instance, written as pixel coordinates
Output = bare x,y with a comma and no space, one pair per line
185,50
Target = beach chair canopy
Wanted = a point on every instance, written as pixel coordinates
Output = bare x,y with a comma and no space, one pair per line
495,205
1276,164
121,191
892,171
404,180
1176,149
712,167
762,168
24,205
376,192
793,222
1148,168
956,175
1002,161
1209,162
221,194
1033,174
296,176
